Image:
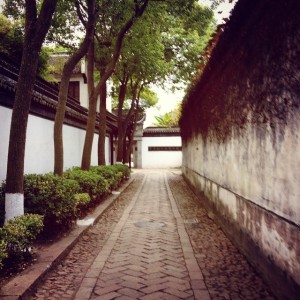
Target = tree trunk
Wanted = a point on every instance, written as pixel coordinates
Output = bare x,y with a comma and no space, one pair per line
131,138
121,129
124,161
64,86
87,152
91,121
90,131
59,120
129,115
129,148
36,28
102,126
14,198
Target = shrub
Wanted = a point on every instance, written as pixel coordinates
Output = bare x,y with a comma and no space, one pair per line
3,253
18,233
93,184
124,169
109,173
82,200
51,196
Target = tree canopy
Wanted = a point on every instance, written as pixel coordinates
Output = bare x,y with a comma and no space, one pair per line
169,119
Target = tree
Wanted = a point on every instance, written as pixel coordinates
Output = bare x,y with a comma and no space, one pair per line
142,99
87,16
169,119
165,44
12,38
110,35
185,39
37,23
141,63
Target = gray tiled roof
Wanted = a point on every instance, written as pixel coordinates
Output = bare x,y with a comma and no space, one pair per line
161,131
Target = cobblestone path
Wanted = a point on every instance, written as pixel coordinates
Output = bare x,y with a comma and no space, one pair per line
227,274
143,249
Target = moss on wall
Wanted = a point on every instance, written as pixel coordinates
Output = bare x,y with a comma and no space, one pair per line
253,75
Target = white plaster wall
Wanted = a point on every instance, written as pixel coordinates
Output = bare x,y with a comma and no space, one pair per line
39,152
161,159
5,117
107,152
262,166
255,165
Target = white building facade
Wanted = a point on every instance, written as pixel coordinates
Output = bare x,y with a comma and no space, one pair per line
159,148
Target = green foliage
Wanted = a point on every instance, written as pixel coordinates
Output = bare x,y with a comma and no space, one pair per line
51,196
185,38
148,98
66,29
169,119
3,253
82,200
124,169
19,233
57,201
11,37
112,176
93,184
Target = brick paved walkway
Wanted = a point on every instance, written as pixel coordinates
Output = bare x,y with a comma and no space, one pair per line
143,248
148,255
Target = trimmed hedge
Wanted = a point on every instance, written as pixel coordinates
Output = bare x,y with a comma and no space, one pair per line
92,183
124,169
17,235
55,201
113,176
51,196
3,253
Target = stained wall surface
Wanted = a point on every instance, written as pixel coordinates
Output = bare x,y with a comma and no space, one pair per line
241,138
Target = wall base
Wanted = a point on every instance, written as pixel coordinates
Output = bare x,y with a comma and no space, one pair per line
280,283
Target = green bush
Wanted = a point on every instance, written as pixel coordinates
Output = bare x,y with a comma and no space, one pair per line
18,233
124,169
51,196
93,184
82,200
3,253
109,173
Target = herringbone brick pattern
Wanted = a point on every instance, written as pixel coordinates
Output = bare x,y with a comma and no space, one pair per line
148,255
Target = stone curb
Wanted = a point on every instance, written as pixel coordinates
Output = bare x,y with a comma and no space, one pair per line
21,286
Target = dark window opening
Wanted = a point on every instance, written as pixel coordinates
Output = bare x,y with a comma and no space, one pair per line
165,148
74,90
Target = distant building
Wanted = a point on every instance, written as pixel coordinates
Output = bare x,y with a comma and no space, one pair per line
78,89
157,147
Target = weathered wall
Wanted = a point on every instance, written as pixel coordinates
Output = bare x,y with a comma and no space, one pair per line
241,143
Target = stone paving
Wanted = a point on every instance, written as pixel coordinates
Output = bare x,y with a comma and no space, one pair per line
155,242
227,274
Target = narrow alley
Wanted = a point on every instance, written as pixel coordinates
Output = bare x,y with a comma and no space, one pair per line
154,242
